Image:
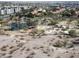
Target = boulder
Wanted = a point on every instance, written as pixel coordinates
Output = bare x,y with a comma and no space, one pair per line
69,45
66,32
76,41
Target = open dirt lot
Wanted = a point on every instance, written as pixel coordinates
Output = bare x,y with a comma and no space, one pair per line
21,45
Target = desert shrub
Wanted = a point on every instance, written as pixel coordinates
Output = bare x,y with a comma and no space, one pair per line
68,13
72,33
53,22
59,44
65,43
77,22
37,33
40,33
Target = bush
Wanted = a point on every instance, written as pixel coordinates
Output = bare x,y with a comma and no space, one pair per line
72,33
65,43
37,33
53,22
59,43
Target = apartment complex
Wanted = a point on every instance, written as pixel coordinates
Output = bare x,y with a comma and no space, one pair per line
11,9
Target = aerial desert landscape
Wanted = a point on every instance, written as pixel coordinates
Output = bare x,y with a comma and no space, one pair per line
39,29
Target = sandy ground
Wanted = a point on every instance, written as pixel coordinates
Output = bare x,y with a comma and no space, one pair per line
21,45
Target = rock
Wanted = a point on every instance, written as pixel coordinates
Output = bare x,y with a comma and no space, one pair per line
72,56
27,49
4,48
76,41
9,56
69,45
12,50
20,44
66,32
60,36
11,47
31,55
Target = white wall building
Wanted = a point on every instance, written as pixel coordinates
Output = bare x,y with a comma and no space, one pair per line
17,9
2,11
